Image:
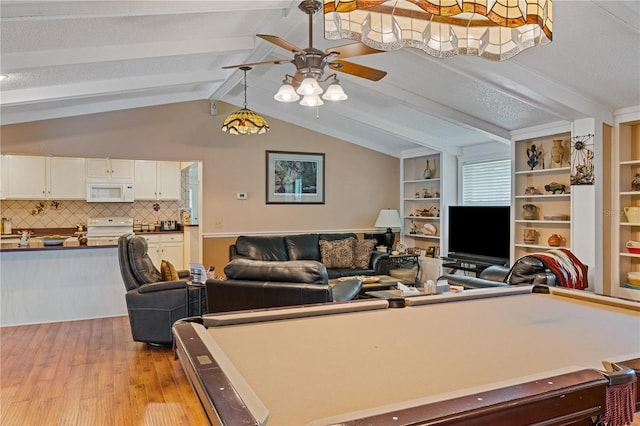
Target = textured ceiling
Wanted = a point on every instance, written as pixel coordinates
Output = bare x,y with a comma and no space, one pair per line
67,58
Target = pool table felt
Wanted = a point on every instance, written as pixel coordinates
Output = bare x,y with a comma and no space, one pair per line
311,368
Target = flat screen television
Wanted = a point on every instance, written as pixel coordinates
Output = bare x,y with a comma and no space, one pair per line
480,232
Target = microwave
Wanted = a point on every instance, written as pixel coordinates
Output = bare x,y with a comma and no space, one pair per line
110,193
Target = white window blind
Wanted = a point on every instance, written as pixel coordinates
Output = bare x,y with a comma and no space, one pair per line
486,183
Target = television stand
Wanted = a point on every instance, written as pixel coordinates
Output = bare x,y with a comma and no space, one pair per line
469,264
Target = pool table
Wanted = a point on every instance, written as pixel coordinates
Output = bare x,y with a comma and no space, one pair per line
521,355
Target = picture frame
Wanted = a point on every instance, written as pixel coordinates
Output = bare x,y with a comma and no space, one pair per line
294,177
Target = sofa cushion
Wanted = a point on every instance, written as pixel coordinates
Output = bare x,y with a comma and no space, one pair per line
168,271
140,262
262,248
296,271
362,255
303,247
338,253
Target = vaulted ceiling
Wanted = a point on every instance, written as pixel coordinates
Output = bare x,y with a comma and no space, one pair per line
66,58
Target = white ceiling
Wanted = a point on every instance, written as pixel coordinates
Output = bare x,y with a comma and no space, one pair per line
66,58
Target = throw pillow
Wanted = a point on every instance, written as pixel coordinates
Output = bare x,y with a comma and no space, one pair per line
168,271
363,251
338,253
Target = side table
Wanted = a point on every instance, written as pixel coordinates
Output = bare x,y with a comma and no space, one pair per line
200,298
401,261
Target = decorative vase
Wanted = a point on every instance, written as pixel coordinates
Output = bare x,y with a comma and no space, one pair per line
427,171
555,240
530,236
635,183
529,212
557,151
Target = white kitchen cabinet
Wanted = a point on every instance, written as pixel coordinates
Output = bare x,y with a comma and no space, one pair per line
26,177
109,168
36,178
3,177
157,180
66,178
168,247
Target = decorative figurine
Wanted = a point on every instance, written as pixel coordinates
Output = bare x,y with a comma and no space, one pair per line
635,183
413,228
556,187
534,156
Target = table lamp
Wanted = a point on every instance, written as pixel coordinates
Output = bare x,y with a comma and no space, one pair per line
388,218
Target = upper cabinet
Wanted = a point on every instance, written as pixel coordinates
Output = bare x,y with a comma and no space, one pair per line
27,177
33,178
626,205
157,180
109,168
542,194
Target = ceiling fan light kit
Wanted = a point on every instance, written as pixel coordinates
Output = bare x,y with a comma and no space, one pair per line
492,29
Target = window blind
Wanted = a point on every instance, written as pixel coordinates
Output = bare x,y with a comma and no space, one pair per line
486,183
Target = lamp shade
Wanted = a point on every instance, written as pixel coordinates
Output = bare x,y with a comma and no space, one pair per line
334,93
245,122
492,29
388,218
309,86
311,100
286,93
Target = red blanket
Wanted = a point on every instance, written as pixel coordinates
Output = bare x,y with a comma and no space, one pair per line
570,272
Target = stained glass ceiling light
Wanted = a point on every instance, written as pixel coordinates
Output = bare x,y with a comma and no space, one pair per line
493,29
245,121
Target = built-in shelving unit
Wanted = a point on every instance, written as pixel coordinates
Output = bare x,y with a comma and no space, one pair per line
626,161
425,198
421,209
552,210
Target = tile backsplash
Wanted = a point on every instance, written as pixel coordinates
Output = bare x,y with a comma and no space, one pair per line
45,214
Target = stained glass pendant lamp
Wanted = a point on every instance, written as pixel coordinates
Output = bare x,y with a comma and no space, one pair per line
492,29
245,121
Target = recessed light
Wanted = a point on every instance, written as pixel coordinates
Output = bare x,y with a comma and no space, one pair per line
2,77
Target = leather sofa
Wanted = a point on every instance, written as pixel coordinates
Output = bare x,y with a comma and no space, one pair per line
257,284
526,270
304,247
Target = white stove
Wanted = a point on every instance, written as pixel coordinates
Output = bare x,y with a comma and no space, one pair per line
106,230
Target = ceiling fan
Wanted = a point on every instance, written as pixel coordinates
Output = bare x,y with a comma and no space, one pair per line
310,63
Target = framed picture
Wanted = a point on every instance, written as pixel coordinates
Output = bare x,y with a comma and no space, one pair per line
295,178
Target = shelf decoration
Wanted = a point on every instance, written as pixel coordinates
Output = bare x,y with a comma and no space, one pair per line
582,166
534,157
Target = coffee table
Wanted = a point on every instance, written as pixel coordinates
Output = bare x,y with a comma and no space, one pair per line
384,282
394,294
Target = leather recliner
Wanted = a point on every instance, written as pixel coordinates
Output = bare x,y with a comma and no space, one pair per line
153,305
526,270
257,284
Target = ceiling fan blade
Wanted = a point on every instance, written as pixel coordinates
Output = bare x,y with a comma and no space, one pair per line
357,70
351,50
277,61
282,43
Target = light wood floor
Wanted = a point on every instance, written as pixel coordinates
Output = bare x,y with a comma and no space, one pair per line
90,373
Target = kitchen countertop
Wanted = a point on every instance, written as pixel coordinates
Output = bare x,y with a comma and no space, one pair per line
36,245
71,243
